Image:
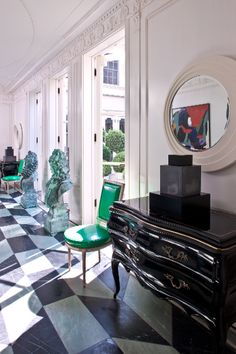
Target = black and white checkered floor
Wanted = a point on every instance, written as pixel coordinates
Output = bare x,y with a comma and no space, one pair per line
45,309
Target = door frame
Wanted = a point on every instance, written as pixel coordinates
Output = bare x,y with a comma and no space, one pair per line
91,189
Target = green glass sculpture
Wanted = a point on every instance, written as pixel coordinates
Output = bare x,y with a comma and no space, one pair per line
57,218
29,197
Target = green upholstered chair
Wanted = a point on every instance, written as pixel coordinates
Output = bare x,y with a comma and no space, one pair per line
87,238
15,179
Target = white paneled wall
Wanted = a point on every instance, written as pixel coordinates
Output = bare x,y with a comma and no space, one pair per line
5,124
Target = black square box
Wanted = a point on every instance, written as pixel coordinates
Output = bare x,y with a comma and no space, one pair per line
180,207
180,180
180,160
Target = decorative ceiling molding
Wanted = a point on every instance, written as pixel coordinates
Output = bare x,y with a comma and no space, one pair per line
108,23
6,99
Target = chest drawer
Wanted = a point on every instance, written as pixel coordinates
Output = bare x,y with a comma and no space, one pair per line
165,278
160,244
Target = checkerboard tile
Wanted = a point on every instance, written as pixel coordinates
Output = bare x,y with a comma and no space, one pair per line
46,309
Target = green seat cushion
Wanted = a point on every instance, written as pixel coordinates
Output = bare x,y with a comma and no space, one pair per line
86,236
11,178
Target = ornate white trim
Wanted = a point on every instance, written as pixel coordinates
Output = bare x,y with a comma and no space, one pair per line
6,99
108,23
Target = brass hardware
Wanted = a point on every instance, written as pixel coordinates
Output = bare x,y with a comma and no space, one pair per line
132,233
181,283
180,256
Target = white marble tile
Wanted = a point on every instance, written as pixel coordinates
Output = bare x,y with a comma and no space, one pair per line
131,347
13,230
20,288
76,326
5,196
33,260
21,314
5,251
4,212
11,205
147,305
18,199
5,349
46,242
93,268
33,211
26,220
95,289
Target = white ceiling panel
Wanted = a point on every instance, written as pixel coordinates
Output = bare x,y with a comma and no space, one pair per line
30,29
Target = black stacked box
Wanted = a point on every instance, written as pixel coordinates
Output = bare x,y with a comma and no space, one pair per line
180,190
9,155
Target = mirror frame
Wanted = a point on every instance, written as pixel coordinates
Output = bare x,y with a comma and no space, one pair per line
223,153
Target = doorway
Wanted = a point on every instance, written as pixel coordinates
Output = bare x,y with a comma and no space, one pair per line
103,120
36,136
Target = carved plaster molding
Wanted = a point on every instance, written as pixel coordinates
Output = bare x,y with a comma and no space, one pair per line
6,99
109,22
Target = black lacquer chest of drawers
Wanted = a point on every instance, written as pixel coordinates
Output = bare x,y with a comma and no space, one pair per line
194,266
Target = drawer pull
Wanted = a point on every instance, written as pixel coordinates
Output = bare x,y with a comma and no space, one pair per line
181,283
180,256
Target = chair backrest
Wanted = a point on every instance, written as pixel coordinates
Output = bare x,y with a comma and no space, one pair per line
20,166
111,192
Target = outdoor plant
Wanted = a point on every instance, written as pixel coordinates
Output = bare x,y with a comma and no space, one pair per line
120,157
115,140
107,154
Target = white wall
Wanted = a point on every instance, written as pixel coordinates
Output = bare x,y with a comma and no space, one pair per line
172,38
6,124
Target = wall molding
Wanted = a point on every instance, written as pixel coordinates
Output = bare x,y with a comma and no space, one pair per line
107,24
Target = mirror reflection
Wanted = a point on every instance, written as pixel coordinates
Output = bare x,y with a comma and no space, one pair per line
199,113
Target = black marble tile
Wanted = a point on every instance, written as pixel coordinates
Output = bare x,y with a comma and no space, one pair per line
60,236
2,206
7,200
9,265
2,237
21,243
107,346
15,194
7,220
120,321
107,278
40,338
18,211
40,217
53,290
35,230
58,258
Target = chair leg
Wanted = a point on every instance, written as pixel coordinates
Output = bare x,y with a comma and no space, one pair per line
84,267
69,258
99,256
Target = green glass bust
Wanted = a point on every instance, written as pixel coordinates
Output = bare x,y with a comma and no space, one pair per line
29,173
57,218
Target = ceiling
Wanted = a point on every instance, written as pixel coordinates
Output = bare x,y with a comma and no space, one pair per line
31,29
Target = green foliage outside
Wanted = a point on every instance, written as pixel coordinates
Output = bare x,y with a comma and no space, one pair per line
115,140
120,157
107,154
106,170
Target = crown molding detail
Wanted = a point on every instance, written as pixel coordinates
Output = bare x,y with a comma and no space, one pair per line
6,99
109,22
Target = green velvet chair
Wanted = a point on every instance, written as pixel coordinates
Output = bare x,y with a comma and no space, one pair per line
15,179
87,238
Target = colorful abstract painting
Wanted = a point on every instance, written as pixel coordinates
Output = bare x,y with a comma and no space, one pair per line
191,126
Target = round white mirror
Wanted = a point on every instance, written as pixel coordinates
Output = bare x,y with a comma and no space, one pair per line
200,113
